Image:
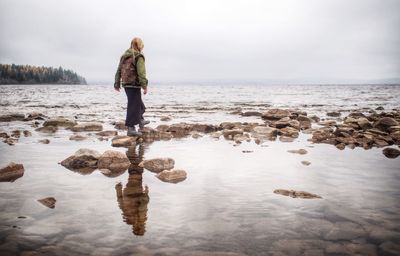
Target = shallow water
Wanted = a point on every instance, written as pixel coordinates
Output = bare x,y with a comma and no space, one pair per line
226,206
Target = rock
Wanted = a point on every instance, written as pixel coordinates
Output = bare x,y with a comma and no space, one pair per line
10,141
385,123
48,202
47,129
123,141
60,121
179,130
286,139
306,163
275,114
27,133
264,132
81,159
120,125
251,113
391,152
204,128
172,176
77,137
289,132
11,172
315,118
107,133
35,116
230,134
389,248
333,114
298,151
87,127
12,117
395,136
281,123
340,146
44,141
113,161
239,138
327,123
165,118
379,108
215,135
295,194
158,164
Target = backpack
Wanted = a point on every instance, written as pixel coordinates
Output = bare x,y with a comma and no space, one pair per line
128,69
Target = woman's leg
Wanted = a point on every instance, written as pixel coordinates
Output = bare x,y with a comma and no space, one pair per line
134,107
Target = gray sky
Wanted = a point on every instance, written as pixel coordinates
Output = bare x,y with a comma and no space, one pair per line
296,41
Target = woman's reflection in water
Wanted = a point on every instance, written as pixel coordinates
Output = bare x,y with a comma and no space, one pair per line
133,199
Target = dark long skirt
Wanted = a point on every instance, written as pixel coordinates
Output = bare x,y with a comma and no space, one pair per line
135,108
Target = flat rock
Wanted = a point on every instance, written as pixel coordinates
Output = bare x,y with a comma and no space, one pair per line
391,152
333,114
251,113
286,139
120,125
230,134
87,127
12,117
77,137
306,163
47,129
11,172
44,141
275,114
48,202
172,176
301,151
82,158
113,160
296,194
264,132
158,164
108,133
60,121
123,141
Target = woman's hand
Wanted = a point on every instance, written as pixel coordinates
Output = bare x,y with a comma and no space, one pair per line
145,91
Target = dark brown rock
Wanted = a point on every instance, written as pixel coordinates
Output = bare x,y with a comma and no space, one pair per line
44,141
81,159
60,121
385,123
12,117
251,113
11,172
306,163
391,152
49,202
296,194
47,129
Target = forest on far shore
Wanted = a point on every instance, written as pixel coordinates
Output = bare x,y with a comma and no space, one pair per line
26,74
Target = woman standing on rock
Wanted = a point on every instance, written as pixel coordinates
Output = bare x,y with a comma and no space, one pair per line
131,75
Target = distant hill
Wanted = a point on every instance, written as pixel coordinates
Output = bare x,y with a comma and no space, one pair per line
26,74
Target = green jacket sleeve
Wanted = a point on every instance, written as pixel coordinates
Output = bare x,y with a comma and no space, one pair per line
141,71
117,82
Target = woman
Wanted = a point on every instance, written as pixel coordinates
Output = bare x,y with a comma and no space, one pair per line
131,75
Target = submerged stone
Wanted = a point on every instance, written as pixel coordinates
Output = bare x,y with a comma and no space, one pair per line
113,161
158,164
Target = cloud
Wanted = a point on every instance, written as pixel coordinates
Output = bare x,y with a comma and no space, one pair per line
300,41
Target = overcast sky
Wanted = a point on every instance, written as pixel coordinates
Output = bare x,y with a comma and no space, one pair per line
297,41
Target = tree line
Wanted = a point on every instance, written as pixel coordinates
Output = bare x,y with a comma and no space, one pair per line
26,74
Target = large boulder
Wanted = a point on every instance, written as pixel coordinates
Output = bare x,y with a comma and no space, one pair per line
123,141
11,172
81,159
172,176
275,114
296,194
385,123
87,127
113,160
391,152
158,164
60,121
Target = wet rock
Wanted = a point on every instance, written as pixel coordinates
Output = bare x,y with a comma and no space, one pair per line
251,113
196,135
391,152
87,127
4,135
27,133
123,141
82,158
165,118
172,176
286,139
264,132
11,172
60,121
107,133
389,248
113,160
385,123
327,123
77,137
44,141
380,108
179,130
239,138
120,125
35,116
301,151
344,230
47,129
395,136
12,117
165,135
315,118
204,128
215,135
158,164
289,132
281,123
306,163
16,133
230,134
49,202
296,194
10,141
361,122
275,114
333,114
340,146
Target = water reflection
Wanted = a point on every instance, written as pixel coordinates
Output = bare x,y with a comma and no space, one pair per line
134,198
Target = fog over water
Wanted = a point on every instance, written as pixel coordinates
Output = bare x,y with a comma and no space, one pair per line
286,41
